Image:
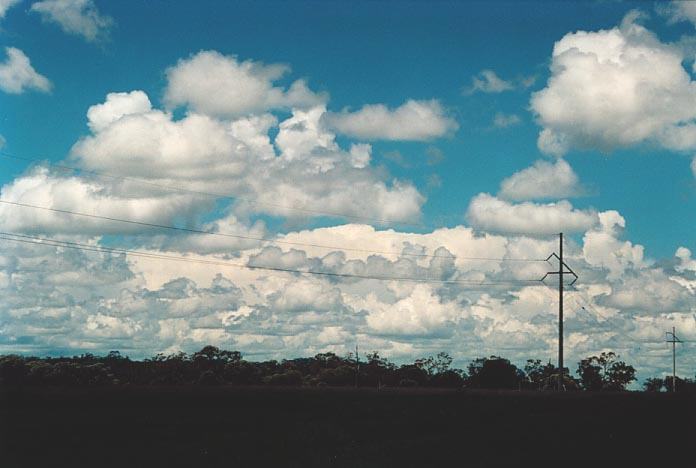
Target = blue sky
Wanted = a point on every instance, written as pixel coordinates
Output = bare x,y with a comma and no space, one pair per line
629,184
363,53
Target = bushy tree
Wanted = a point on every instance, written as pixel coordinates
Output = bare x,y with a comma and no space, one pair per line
13,370
605,372
287,378
377,371
494,373
653,385
682,386
435,365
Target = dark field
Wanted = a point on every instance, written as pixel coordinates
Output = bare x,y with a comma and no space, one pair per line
223,426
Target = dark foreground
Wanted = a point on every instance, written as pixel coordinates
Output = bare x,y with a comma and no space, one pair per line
337,427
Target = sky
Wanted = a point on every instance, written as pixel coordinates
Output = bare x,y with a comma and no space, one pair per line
421,156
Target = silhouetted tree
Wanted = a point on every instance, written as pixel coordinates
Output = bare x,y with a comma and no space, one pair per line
653,385
287,378
412,375
435,365
377,371
540,375
683,385
605,372
13,370
493,372
212,366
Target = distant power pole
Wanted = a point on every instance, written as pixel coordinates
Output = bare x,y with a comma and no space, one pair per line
674,340
563,269
357,365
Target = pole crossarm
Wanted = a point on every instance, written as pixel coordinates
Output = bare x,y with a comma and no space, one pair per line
674,339
566,269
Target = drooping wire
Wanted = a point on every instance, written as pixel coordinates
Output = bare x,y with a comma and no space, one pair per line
22,238
259,239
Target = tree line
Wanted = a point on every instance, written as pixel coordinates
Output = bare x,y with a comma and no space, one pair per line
215,366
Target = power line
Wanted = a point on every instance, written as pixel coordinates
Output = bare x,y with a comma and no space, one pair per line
214,194
22,238
607,320
617,330
259,239
604,327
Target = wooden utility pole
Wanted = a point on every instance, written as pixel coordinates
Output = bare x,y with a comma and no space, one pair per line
674,340
357,365
560,312
563,269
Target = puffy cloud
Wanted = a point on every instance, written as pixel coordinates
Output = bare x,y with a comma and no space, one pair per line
304,295
128,136
487,81
6,5
543,180
40,188
489,213
96,302
17,74
616,88
420,313
602,248
236,235
686,263
506,120
313,171
677,11
60,300
117,105
78,17
311,175
413,120
650,291
220,85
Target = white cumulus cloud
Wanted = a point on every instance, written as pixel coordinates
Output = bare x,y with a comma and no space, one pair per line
413,120
676,11
6,5
543,180
502,120
310,176
221,85
487,81
78,17
17,74
117,105
489,213
616,88
603,248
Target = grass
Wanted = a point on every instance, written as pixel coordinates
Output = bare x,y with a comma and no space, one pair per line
231,426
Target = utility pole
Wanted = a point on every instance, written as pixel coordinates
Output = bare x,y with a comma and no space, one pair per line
357,365
563,269
674,340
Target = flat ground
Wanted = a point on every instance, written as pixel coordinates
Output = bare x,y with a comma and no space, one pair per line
244,427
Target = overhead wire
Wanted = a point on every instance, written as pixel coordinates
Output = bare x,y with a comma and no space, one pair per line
626,333
23,238
260,239
608,321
